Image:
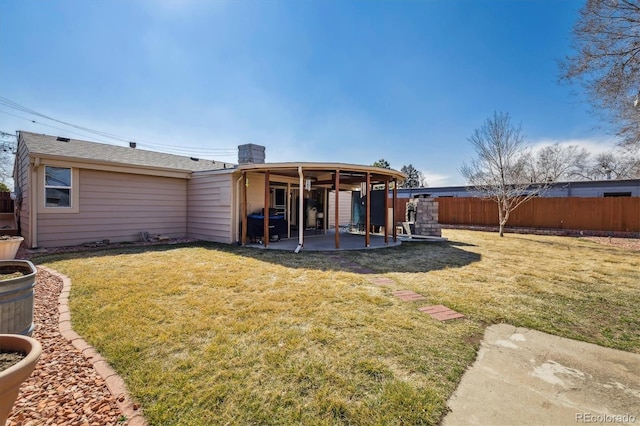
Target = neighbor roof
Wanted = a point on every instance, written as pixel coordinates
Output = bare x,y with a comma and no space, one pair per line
75,149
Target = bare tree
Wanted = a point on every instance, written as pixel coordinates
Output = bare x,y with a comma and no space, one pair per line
620,163
557,162
7,158
415,178
500,172
607,62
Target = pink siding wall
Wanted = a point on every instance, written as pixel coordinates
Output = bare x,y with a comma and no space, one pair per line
344,208
118,207
210,208
255,193
21,183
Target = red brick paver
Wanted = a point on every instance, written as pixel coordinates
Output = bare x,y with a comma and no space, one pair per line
381,281
441,312
408,295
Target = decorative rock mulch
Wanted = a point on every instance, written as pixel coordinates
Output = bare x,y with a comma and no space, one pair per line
64,389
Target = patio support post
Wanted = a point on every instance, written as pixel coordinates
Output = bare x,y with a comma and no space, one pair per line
386,211
367,236
287,213
325,223
395,203
265,210
337,209
300,212
336,219
243,210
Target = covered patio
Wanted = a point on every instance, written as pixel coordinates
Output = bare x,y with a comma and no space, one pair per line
326,242
292,197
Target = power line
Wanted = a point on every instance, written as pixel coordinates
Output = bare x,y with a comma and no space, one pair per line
53,127
219,152
11,104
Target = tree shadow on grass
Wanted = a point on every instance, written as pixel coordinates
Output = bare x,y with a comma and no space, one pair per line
407,257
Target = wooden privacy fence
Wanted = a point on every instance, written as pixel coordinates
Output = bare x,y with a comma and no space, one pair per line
6,203
597,214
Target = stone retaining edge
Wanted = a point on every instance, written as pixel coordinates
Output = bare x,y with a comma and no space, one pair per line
547,231
114,382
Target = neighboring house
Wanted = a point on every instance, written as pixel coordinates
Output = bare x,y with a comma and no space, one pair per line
71,192
587,188
565,207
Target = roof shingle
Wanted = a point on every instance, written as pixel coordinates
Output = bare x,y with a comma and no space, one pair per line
93,151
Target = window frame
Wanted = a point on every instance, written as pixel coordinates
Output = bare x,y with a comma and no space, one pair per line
73,190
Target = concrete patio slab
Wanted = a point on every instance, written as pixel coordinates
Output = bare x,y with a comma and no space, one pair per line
526,377
326,242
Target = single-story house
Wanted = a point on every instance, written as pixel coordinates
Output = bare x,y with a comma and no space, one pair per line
70,192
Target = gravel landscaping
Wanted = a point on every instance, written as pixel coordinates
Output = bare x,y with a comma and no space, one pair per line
64,389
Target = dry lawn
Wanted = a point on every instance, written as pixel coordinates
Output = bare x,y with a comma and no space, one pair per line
210,334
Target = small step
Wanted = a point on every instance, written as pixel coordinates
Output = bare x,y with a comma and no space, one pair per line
408,295
441,312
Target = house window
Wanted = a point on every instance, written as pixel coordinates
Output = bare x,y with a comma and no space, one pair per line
617,194
57,186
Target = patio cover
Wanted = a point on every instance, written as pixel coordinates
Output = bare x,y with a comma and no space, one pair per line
327,176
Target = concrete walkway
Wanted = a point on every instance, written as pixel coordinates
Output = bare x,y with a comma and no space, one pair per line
525,377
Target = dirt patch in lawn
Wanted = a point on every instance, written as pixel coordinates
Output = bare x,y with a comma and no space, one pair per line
627,243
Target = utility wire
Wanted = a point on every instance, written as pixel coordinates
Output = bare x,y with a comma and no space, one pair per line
221,152
9,103
160,148
53,127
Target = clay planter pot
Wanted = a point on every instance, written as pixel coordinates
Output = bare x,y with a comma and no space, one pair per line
12,377
9,246
17,281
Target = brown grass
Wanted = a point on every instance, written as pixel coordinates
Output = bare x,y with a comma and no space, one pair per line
210,334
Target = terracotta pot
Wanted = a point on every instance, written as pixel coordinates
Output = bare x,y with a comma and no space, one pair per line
9,246
12,377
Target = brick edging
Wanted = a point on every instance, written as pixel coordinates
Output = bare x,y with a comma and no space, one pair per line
114,382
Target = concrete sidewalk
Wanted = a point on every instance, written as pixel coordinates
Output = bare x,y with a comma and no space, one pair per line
525,377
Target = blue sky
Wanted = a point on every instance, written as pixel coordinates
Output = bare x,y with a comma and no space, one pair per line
323,80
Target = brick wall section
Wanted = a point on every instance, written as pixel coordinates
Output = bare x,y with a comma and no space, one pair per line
427,217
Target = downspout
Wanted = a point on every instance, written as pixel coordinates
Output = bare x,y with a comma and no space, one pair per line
236,218
33,216
300,212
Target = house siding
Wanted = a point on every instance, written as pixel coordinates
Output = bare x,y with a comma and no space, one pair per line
210,208
344,208
118,207
22,177
255,193
587,189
